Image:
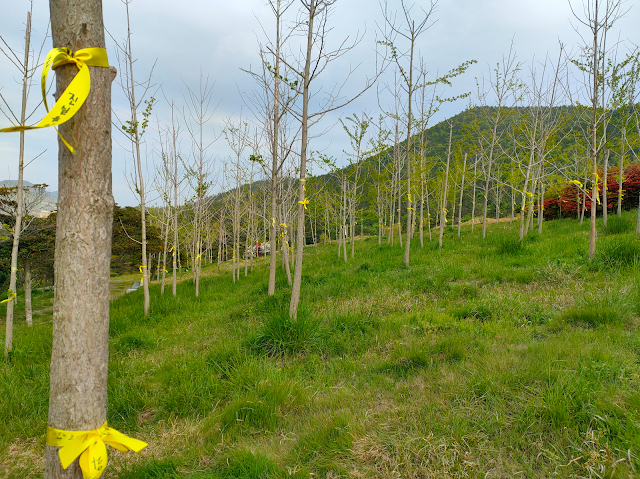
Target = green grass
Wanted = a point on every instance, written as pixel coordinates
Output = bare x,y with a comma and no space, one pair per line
619,224
490,358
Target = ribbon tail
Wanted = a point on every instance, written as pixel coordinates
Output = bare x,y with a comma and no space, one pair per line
73,449
93,460
119,441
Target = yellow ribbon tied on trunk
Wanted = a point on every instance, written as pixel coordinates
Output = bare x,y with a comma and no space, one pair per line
12,295
76,93
90,446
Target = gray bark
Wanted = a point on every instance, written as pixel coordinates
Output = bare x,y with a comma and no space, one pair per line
28,311
475,183
297,275
17,229
464,170
620,178
444,190
80,350
604,189
135,139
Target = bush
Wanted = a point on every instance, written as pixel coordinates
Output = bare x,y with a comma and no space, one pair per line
619,225
246,465
591,317
281,335
479,312
154,469
617,252
259,408
505,243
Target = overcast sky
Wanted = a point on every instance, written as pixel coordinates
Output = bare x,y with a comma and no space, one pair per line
220,37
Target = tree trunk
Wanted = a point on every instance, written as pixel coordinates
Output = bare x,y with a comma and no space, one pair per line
174,249
17,229
620,177
80,349
594,139
297,275
428,215
494,140
399,210
28,311
136,143
475,183
444,190
164,254
344,221
604,189
464,169
422,214
541,208
411,86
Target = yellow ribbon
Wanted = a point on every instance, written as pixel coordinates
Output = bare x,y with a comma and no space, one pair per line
304,202
76,93
14,270
12,295
576,182
198,257
284,225
141,268
90,446
273,222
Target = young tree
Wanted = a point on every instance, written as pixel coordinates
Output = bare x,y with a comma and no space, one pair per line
352,183
313,23
271,105
410,31
27,71
598,17
17,206
464,171
443,206
135,130
501,84
197,116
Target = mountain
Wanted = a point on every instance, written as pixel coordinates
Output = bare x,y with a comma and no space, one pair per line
46,204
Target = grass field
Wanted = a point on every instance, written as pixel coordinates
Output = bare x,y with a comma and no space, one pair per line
487,359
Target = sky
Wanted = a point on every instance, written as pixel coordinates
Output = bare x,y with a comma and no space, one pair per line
219,39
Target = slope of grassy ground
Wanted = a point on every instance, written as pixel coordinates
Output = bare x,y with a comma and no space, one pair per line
485,359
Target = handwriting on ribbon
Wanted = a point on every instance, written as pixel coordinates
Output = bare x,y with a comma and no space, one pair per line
76,92
90,447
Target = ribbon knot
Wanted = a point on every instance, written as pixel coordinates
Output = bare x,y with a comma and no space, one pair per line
91,447
75,94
